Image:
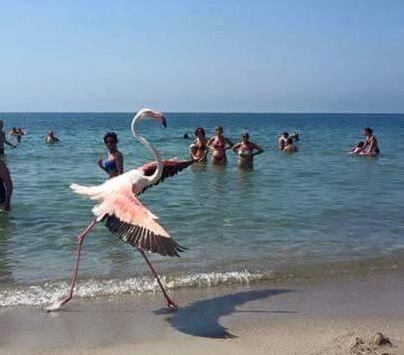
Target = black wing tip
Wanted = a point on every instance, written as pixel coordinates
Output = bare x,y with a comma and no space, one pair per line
142,238
168,170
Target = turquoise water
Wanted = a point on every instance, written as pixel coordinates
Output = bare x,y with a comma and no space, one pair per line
318,205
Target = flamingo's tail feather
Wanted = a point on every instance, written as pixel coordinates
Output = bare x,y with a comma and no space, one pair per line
92,192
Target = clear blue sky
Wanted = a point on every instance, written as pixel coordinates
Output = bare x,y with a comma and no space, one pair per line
222,55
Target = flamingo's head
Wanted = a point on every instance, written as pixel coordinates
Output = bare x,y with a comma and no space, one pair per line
146,113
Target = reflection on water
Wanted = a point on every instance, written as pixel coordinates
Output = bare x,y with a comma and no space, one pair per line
245,183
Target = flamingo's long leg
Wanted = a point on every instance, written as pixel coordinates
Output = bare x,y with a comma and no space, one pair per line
170,302
69,296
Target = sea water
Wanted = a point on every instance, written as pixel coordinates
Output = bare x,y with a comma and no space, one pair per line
316,206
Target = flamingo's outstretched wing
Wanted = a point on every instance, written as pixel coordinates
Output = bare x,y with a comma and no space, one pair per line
133,223
171,167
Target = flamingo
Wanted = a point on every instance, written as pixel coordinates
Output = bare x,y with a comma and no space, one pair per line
124,215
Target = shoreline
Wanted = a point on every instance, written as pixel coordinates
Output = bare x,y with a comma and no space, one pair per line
44,293
299,317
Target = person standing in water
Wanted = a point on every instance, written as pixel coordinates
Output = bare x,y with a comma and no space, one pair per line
6,187
3,139
282,140
199,149
246,151
14,132
219,144
113,166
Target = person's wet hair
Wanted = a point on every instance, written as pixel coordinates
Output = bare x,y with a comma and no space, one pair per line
285,134
110,135
289,141
219,128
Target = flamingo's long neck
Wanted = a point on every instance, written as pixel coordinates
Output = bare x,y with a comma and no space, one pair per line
159,170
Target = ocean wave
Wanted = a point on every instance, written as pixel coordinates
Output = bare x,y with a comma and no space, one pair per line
39,295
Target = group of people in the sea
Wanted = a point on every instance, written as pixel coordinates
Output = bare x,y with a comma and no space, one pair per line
199,151
218,144
6,182
369,147
286,142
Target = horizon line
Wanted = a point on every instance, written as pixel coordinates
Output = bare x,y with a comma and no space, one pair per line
220,112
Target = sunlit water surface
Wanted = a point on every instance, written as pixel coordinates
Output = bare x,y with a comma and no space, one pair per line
318,205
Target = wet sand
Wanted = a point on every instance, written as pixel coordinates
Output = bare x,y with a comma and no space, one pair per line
301,317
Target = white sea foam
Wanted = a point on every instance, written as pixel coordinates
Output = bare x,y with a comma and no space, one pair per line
47,293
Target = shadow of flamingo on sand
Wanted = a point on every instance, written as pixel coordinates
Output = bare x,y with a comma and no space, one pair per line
201,318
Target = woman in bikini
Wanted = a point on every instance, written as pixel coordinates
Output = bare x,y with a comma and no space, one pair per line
219,144
246,151
113,166
199,149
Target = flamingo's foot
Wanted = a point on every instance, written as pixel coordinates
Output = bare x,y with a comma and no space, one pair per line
54,307
57,305
172,305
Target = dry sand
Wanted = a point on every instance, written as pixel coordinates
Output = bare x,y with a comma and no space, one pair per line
328,317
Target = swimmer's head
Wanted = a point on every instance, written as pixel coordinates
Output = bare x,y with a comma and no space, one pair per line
110,138
285,134
245,135
200,132
289,141
219,129
368,131
295,136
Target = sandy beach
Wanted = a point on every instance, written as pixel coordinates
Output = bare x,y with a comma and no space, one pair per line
326,316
